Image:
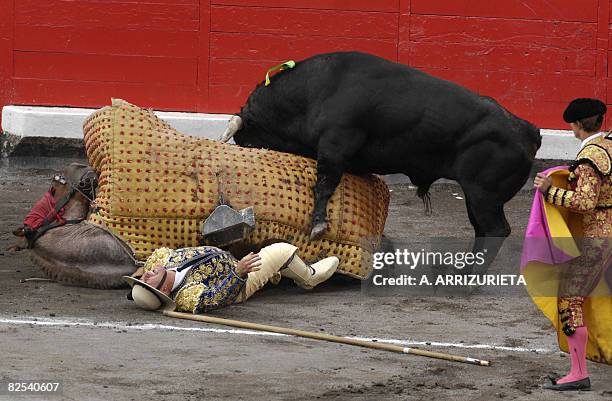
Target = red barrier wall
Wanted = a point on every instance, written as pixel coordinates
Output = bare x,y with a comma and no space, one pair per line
533,56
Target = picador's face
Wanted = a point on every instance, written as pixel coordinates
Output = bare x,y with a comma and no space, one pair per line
154,277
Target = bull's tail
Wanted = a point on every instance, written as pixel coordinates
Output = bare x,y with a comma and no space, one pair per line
423,193
533,134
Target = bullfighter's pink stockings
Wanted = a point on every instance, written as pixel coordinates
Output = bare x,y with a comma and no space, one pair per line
577,343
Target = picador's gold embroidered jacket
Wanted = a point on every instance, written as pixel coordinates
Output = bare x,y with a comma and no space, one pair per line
590,191
211,281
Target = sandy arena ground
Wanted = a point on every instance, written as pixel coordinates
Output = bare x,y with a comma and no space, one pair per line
100,347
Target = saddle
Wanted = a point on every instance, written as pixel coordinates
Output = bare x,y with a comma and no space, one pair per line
157,186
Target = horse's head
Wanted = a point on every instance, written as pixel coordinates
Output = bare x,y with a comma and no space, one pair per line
74,189
69,198
83,178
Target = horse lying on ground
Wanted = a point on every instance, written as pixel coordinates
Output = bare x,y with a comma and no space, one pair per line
64,244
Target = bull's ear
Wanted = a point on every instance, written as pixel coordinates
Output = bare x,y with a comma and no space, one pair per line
19,232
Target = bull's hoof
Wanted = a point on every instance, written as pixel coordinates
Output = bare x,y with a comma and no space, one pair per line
317,231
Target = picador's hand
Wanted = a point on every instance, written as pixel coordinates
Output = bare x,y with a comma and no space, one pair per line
250,263
542,182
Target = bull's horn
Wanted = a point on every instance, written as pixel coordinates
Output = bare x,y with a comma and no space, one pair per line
235,123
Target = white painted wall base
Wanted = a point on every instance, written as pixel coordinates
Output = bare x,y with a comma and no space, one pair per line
65,122
558,145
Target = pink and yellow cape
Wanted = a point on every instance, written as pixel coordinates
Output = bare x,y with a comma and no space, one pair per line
549,245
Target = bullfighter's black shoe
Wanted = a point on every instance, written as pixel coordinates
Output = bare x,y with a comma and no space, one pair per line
584,384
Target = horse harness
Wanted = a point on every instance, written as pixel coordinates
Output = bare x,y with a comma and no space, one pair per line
88,182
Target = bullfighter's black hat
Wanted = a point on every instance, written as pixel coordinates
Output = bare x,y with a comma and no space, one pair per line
583,108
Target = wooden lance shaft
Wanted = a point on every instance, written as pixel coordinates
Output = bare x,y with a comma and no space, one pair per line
325,337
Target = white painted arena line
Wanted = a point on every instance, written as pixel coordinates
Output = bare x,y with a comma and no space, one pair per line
42,321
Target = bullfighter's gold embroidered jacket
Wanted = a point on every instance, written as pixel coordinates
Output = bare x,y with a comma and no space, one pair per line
211,281
590,188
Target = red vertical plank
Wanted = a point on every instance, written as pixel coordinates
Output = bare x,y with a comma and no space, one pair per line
109,15
280,21
602,46
358,5
97,94
129,42
603,29
558,10
403,32
6,52
204,57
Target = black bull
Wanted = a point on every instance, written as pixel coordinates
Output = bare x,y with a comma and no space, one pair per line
358,113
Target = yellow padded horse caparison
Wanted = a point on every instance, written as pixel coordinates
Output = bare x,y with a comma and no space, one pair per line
156,187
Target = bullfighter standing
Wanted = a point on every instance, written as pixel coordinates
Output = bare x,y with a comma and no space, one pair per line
205,278
589,194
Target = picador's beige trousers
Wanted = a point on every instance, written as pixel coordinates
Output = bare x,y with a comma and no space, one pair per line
273,258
